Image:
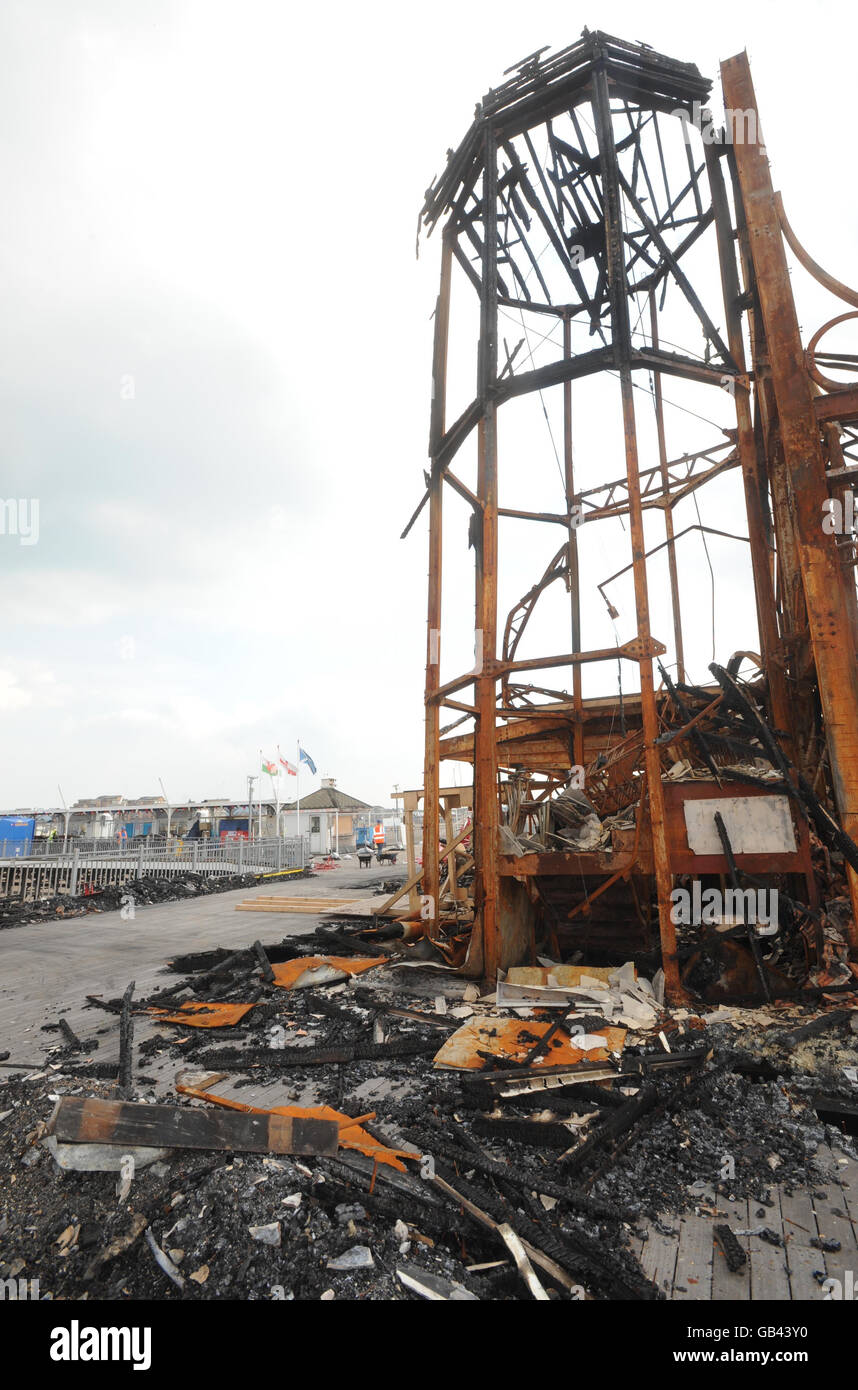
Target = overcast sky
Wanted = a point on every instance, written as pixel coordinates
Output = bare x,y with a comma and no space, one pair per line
215,350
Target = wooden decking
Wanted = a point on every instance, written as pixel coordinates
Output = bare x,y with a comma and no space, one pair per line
688,1264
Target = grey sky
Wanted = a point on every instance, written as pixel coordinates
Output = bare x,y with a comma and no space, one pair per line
215,366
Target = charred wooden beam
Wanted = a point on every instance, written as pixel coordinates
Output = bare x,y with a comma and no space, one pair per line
126,1043
80,1121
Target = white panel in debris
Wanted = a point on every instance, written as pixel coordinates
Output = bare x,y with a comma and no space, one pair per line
755,825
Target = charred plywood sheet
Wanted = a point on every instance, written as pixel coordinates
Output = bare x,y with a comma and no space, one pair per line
755,825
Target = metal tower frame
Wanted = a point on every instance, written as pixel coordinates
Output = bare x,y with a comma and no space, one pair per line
618,221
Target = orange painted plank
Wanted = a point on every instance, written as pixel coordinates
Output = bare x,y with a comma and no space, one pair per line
351,1135
198,1014
287,972
514,1038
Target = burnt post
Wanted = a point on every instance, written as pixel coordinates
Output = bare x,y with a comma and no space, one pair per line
621,333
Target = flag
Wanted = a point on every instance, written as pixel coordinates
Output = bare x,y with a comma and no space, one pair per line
290,768
305,758
271,768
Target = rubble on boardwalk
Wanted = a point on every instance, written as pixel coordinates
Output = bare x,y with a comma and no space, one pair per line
620,986
517,1170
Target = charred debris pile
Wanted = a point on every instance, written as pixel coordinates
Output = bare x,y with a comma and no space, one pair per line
788,925
145,892
331,1118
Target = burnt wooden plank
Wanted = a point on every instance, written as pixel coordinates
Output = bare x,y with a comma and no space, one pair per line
839,1264
844,1185
78,1120
265,963
658,1258
769,1276
693,1276
833,1217
126,1042
824,1023
847,1174
803,1264
799,1219
727,1286
70,1035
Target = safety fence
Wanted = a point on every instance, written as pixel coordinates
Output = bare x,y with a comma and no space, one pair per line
81,871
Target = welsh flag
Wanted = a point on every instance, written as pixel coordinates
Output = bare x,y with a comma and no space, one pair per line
271,768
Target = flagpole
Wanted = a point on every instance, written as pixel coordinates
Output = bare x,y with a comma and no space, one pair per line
298,765
276,796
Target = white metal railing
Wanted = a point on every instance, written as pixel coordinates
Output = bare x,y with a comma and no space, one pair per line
203,851
90,865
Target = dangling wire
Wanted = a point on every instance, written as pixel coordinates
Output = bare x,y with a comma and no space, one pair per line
711,571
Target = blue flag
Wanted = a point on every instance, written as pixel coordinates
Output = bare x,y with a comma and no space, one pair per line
305,758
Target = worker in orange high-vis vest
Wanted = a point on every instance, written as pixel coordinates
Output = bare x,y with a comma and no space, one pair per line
378,836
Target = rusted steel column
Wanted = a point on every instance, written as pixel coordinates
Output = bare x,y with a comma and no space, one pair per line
621,334
846,546
765,435
409,804
667,509
456,893
431,773
574,586
798,662
756,505
822,576
486,814
790,610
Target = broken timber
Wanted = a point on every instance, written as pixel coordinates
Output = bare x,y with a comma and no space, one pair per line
80,1121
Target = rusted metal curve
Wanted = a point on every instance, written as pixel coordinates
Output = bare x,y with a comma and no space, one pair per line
525,606
738,657
835,286
810,354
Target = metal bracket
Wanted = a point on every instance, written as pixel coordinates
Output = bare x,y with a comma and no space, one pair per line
638,649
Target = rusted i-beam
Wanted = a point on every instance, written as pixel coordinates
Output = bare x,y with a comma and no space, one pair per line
756,500
621,330
668,510
486,809
834,654
431,784
574,578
